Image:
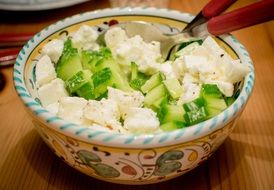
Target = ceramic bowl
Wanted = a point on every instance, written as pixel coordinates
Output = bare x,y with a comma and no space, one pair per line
123,158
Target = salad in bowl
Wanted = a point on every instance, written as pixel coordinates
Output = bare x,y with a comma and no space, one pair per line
116,110
124,86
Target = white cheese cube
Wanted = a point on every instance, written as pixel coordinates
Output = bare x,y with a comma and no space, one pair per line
53,108
214,49
45,71
168,70
115,36
190,93
235,71
225,87
104,112
134,49
53,49
71,109
141,121
52,92
85,38
197,64
125,100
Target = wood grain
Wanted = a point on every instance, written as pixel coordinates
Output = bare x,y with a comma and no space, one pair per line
244,161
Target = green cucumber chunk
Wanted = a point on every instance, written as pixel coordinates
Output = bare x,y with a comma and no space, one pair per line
194,105
86,91
173,87
69,63
119,77
77,80
173,125
195,116
134,70
154,94
90,59
151,83
214,101
168,113
137,79
101,80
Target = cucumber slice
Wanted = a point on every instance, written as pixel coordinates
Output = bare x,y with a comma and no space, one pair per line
168,113
211,90
154,94
86,91
69,63
195,116
173,125
194,105
151,83
90,59
119,77
134,70
159,102
101,80
77,80
214,101
173,87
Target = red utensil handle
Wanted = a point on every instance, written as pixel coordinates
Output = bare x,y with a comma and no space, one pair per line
8,54
15,37
216,7
247,16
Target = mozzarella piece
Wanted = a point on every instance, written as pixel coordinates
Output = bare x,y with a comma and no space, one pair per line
52,92
45,71
53,49
104,112
141,121
71,109
125,100
85,38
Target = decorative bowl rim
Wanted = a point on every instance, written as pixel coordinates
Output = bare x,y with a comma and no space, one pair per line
109,139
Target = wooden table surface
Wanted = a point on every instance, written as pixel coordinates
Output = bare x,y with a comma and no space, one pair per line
244,161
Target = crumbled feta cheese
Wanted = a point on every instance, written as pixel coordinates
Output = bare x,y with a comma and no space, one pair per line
52,92
104,112
168,70
179,66
115,36
192,88
45,71
197,64
85,38
71,109
214,50
125,100
53,108
141,120
53,49
235,71
134,49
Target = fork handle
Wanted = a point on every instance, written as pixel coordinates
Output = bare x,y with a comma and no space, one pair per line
256,13
216,7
